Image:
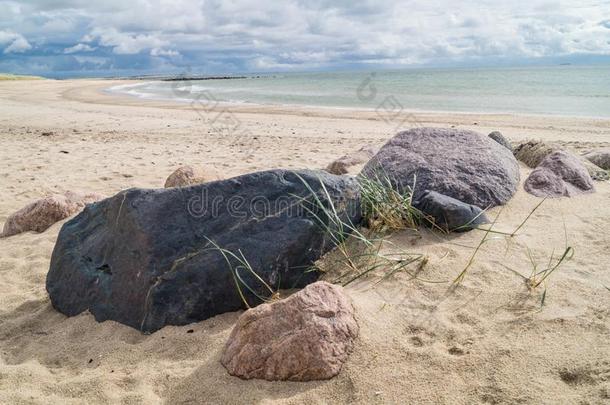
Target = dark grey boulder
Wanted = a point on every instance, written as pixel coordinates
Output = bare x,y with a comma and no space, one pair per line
450,214
560,174
142,257
498,137
462,164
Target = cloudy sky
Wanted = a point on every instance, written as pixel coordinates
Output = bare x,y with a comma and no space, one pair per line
120,37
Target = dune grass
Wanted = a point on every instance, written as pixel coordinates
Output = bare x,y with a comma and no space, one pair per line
486,238
384,208
237,264
538,274
360,250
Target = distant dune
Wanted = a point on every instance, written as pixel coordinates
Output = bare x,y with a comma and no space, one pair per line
8,76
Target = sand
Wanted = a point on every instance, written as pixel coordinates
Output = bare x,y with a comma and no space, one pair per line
487,341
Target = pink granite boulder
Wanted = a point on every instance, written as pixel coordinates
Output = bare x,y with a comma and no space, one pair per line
189,176
39,215
307,336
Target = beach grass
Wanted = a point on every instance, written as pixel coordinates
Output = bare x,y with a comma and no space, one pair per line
237,264
384,208
359,252
539,274
486,238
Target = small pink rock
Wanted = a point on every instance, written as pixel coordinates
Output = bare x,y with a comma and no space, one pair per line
39,215
186,176
304,337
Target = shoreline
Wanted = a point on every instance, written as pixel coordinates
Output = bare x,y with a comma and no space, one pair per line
517,127
89,96
307,107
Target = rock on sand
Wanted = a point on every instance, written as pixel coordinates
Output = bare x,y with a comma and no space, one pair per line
560,174
352,163
450,214
145,258
307,336
498,137
461,164
532,153
39,215
188,176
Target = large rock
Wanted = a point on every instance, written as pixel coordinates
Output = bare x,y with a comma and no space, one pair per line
39,215
304,337
450,214
352,163
465,165
560,174
498,137
143,257
600,158
185,176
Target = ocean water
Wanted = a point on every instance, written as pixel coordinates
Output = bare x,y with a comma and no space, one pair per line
557,90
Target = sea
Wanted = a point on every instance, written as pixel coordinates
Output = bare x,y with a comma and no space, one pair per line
580,91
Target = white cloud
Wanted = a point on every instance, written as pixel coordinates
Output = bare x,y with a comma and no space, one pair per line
58,24
268,63
14,42
244,34
79,48
125,43
91,60
7,37
87,38
19,45
164,52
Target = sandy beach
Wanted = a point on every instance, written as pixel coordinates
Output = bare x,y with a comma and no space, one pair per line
487,341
